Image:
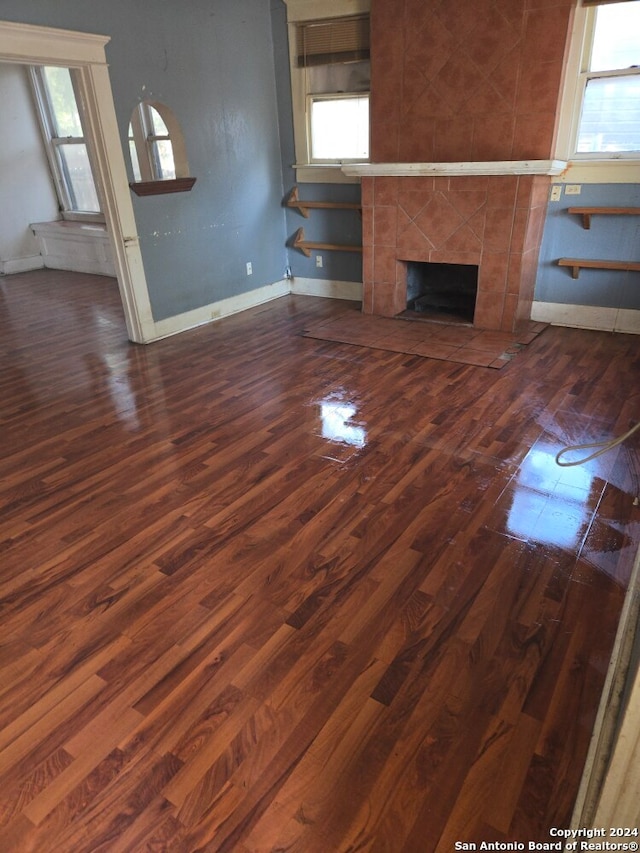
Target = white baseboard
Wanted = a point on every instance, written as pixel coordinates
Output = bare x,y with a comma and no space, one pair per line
327,288
15,265
233,305
587,317
628,321
90,266
223,308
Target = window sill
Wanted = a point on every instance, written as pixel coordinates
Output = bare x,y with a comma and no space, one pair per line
323,173
178,185
88,218
601,172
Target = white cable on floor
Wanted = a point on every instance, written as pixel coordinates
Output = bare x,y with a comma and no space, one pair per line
603,445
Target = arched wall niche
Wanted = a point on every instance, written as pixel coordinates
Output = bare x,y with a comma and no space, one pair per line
157,150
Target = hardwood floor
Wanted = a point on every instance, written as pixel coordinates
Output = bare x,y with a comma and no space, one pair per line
261,592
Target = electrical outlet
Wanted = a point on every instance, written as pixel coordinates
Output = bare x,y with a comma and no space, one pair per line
318,260
556,192
573,189
249,268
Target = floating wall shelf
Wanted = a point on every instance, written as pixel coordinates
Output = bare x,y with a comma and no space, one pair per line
576,264
305,246
305,206
588,212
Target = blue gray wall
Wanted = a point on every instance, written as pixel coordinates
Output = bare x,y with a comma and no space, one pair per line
610,237
212,63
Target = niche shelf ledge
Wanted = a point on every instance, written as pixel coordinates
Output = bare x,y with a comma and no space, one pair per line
176,185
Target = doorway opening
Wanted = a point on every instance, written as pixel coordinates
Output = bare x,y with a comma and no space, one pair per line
25,44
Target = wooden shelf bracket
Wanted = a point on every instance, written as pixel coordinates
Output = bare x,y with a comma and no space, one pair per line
306,246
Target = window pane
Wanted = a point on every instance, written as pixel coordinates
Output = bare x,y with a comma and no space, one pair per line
135,164
159,127
63,102
340,129
74,162
610,119
616,42
339,77
163,160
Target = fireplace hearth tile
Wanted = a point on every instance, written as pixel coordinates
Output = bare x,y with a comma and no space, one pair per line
384,226
492,276
433,349
502,191
456,343
480,358
453,335
411,238
385,192
489,310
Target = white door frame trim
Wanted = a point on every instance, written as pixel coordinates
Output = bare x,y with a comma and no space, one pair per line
27,44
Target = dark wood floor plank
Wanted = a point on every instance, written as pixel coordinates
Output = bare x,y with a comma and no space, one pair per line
264,592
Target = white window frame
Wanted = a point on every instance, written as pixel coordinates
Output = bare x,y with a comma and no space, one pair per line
585,167
299,11
52,141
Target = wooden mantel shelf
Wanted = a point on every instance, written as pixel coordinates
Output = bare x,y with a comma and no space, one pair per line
576,264
588,212
493,167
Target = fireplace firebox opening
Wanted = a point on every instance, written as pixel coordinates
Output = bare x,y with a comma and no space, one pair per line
445,292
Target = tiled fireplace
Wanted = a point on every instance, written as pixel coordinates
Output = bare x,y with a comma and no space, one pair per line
464,105
491,221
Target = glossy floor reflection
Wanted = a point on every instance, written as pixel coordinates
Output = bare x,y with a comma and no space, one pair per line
264,592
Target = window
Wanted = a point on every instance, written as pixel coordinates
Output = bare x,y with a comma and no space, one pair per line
606,102
339,127
330,80
66,147
150,145
334,57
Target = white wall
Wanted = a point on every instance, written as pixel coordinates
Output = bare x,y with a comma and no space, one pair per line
26,190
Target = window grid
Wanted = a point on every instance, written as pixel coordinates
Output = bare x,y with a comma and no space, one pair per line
68,155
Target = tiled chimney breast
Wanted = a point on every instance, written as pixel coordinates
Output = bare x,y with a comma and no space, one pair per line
465,81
